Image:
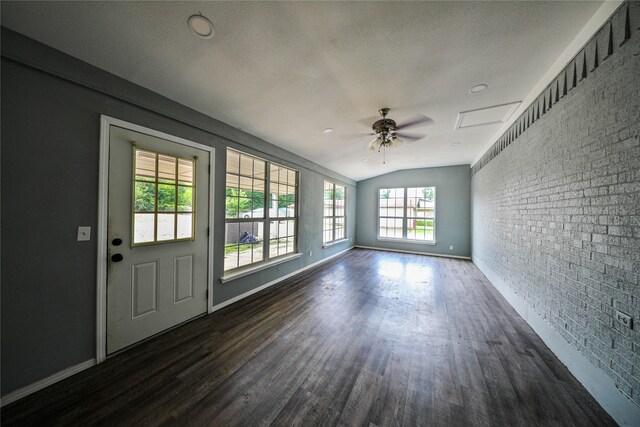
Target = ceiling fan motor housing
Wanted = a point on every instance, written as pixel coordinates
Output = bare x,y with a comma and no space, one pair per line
385,126
386,131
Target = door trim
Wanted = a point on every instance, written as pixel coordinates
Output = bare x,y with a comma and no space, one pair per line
103,217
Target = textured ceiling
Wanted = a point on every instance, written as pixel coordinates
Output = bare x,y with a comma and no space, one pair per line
284,71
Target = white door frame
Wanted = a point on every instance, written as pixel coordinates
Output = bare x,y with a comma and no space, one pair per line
103,217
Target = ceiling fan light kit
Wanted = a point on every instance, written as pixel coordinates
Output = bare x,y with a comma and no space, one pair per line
387,135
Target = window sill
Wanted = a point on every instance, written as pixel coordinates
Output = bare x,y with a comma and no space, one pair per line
414,242
250,270
335,242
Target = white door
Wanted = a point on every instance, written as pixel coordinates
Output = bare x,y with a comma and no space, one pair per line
157,235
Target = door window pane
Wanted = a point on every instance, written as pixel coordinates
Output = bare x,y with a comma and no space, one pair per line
145,197
185,199
185,225
166,168
144,226
158,198
185,172
145,165
166,198
166,227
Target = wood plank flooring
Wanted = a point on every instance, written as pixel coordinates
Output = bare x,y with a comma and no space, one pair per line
372,339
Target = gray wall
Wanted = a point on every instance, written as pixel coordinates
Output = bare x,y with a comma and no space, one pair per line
453,186
556,214
51,107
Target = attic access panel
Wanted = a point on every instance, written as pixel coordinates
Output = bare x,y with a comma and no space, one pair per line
486,116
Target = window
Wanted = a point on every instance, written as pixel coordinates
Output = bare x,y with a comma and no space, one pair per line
335,198
391,213
164,194
261,200
407,214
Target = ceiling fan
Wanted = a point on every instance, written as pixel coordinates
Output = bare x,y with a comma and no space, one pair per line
389,134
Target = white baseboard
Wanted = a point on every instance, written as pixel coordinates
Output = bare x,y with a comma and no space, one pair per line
411,252
273,282
601,387
46,382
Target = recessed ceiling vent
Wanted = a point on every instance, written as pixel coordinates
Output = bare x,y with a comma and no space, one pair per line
486,116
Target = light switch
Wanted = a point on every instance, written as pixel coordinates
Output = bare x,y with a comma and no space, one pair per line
84,234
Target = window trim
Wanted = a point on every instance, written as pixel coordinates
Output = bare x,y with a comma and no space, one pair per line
245,270
267,260
333,230
405,218
155,212
335,242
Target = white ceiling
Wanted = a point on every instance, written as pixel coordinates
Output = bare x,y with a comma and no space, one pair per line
284,71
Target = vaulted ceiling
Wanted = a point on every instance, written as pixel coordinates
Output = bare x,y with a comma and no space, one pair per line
285,71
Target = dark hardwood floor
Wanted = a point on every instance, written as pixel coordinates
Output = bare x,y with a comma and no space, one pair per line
371,338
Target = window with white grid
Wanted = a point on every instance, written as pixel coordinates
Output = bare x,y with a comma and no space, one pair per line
407,213
261,210
335,212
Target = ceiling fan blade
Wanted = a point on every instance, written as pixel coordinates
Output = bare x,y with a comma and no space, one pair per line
350,136
410,138
416,121
369,120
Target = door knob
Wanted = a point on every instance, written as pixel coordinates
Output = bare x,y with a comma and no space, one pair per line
117,257
116,242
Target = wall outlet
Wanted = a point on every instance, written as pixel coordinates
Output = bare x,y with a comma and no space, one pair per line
450,247
310,253
84,234
624,319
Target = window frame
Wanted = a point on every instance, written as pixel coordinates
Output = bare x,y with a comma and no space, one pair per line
405,218
334,216
266,220
155,212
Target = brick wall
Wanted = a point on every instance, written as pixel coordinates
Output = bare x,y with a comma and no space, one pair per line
556,213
